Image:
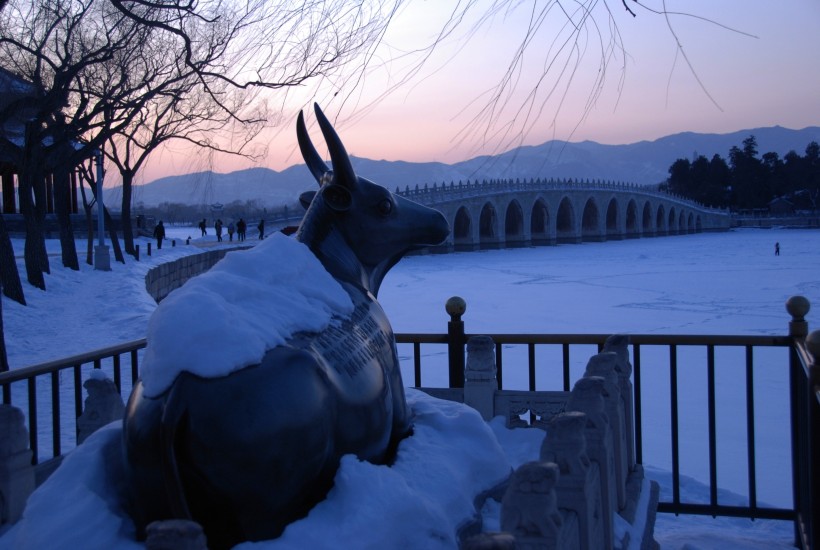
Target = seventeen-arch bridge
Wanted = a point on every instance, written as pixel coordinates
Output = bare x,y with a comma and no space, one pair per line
505,213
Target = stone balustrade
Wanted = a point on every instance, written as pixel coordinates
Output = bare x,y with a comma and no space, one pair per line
587,458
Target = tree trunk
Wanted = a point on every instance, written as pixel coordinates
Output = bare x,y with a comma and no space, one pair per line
34,248
112,236
9,276
4,360
31,193
125,215
62,207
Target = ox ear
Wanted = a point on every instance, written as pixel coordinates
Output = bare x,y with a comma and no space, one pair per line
306,198
312,158
336,197
342,168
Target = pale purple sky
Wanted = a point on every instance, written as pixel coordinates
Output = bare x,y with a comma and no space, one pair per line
768,76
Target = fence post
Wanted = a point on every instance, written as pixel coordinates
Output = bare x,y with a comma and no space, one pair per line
137,252
813,411
456,307
798,307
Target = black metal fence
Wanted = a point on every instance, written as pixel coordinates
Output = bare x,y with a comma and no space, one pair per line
54,399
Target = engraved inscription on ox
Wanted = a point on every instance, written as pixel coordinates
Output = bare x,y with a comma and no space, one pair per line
355,342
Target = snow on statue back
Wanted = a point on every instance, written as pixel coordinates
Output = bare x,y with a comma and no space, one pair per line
244,441
247,304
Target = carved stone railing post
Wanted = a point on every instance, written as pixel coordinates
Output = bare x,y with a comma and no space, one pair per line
175,534
579,485
529,509
480,383
102,406
619,344
604,365
16,471
587,396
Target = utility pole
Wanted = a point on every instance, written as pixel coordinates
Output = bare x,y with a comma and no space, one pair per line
102,259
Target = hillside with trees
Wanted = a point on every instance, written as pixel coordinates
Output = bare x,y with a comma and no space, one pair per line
748,181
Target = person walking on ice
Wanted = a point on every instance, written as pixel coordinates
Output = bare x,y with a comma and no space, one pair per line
777,249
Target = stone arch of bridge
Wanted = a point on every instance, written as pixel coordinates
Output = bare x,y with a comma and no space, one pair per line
488,231
514,234
462,224
690,223
540,225
647,223
613,221
672,226
632,228
660,221
565,225
591,221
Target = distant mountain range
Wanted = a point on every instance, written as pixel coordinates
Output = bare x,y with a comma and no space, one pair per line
644,163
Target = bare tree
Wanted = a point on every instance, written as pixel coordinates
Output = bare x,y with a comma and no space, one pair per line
188,113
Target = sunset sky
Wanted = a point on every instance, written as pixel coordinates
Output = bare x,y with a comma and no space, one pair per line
756,63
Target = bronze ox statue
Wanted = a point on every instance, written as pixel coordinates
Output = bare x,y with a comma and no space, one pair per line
247,453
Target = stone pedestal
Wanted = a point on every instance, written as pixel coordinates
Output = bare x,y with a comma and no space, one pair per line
587,396
579,485
480,382
604,365
16,471
175,534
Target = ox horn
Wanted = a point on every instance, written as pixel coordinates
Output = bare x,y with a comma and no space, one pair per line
312,158
342,168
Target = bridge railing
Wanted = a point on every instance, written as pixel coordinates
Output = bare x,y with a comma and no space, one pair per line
443,192
52,393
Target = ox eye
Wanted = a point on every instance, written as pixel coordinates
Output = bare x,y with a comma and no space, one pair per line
385,207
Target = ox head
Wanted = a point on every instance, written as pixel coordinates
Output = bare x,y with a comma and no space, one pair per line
358,229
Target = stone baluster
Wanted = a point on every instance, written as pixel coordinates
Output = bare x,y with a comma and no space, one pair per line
587,396
579,485
16,471
480,382
175,534
603,365
619,344
529,509
102,406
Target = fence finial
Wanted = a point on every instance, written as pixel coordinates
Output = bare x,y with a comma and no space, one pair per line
798,307
456,306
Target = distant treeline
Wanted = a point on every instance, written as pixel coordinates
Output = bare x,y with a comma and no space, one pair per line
748,181
183,214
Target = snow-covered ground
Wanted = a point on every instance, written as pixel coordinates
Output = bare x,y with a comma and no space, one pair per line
729,283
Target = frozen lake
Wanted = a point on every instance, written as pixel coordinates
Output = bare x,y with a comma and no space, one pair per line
716,283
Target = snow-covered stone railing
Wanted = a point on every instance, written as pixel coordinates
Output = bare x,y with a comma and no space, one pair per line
18,476
587,458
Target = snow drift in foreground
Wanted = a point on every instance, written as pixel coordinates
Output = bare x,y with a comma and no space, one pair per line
418,502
